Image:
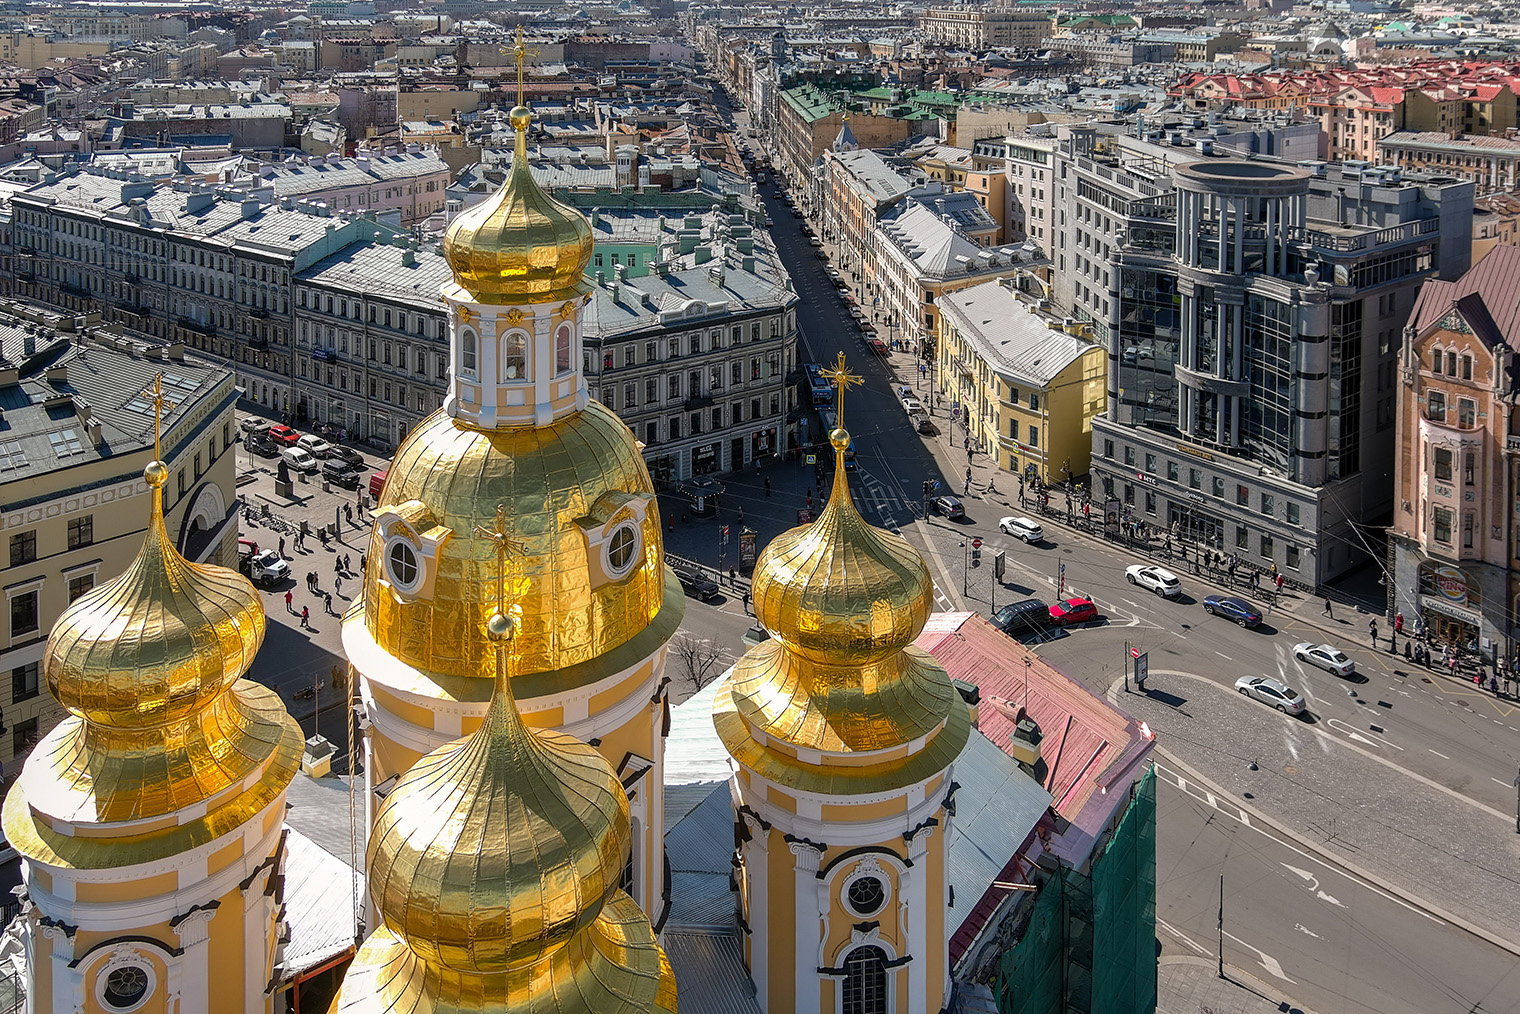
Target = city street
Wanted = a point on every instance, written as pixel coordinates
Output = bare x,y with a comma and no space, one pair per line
1306,928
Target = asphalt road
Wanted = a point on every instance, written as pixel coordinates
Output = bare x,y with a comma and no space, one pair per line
1307,928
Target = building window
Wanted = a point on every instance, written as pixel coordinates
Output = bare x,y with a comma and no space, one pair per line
1292,552
1451,364
1150,463
24,681
1108,448
23,735
1129,456
23,613
79,585
1266,547
1435,406
1129,494
1442,518
562,343
1013,399
1268,504
467,353
1292,513
1034,400
1467,413
514,352
1150,502
1242,538
1034,436
1467,367
675,427
865,981
1443,464
1242,496
23,547
1469,468
1172,471
1195,479
1219,487
82,530
1467,530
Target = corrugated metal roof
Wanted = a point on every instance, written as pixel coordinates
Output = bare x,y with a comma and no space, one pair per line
319,904
710,975
1495,279
699,848
1014,341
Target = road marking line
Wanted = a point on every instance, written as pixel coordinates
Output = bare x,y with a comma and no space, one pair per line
1267,961
1304,929
1439,754
1224,656
1507,785
1174,931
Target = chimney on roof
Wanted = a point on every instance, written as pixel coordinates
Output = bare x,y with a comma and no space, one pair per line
250,208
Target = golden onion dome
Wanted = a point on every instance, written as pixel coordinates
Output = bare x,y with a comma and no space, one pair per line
158,643
520,245
838,591
550,479
495,851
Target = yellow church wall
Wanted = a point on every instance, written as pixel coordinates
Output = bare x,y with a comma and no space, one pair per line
846,813
600,702
42,878
779,799
391,704
225,856
781,899
390,757
42,966
126,890
842,920
227,954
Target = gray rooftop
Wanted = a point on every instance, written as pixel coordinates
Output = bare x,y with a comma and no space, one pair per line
1017,343
378,269
871,177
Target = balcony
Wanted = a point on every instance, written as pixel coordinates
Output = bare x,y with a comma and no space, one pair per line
72,289
197,326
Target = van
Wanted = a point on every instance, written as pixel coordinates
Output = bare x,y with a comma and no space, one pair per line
1021,619
376,485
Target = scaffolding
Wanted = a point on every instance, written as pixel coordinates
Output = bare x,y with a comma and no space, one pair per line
1089,946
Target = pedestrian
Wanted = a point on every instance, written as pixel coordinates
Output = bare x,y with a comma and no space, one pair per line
967,491
348,513
1274,570
363,564
671,524
746,602
289,596
733,577
741,515
810,496
335,677
348,567
337,586
305,617
1327,608
1372,631
1398,623
767,485
338,565
327,604
282,547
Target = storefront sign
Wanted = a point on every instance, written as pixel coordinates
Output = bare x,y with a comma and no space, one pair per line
1436,605
1451,583
1195,452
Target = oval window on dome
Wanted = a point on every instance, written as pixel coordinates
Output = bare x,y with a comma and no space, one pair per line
622,550
401,565
514,356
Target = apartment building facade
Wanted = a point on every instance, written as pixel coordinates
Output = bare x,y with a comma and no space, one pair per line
1454,557
1492,163
980,28
1252,312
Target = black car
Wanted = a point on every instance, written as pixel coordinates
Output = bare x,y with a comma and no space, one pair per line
1230,607
347,455
1018,619
341,473
697,584
263,445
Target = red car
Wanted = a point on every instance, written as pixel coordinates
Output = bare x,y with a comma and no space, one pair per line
1073,611
284,435
877,346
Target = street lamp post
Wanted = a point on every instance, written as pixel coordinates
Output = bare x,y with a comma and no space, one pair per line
966,578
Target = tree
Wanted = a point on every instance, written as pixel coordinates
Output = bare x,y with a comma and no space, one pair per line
695,662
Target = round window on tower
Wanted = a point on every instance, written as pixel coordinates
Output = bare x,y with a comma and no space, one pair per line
401,565
622,550
866,895
126,987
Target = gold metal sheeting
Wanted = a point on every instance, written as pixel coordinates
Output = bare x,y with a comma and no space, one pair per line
837,709
613,966
495,850
157,643
548,477
519,245
839,591
823,778
103,775
30,834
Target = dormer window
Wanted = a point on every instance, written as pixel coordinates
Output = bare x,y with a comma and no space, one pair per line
563,341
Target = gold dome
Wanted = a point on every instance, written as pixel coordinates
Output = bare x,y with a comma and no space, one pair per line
494,865
549,477
149,665
839,591
519,245
158,643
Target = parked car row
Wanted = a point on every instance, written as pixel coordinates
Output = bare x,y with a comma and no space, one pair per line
304,452
1032,616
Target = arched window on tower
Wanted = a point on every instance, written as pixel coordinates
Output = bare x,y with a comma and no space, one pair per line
562,349
467,352
514,353
865,981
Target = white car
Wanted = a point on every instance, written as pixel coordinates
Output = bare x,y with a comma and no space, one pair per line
1327,658
1157,579
300,459
1022,528
913,406
1272,692
314,445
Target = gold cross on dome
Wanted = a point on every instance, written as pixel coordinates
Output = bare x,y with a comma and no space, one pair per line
842,379
159,403
504,545
520,53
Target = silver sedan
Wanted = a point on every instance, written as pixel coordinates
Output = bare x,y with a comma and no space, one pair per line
1272,692
1326,657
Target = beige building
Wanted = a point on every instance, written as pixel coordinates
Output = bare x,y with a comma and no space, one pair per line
73,503
31,51
1493,163
979,28
1456,530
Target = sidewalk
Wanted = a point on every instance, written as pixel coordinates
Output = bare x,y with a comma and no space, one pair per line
1192,986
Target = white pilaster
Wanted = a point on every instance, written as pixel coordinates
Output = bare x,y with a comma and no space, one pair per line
757,869
915,890
805,938
194,933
